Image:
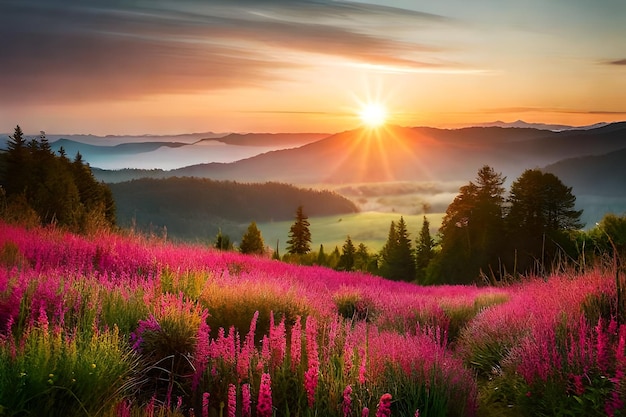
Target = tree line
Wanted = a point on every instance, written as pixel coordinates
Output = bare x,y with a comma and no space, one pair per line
41,187
486,236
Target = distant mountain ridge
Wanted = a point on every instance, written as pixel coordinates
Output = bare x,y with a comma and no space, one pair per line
409,154
540,126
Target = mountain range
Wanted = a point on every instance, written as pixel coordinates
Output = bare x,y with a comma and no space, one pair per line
406,154
589,160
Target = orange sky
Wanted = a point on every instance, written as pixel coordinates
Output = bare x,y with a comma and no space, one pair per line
305,65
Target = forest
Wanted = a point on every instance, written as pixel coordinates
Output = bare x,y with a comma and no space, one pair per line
488,235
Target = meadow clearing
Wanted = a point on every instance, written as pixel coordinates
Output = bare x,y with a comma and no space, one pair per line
113,325
369,228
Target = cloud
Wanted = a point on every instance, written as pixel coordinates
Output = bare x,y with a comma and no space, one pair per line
617,62
70,50
552,110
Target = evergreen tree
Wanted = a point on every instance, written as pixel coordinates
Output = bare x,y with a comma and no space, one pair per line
424,250
252,241
50,185
362,258
222,241
472,230
388,251
398,262
347,258
276,254
541,211
321,257
299,242
16,177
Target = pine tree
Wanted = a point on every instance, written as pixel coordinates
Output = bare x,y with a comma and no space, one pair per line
222,241
252,241
424,250
347,258
299,242
472,231
398,262
16,176
541,210
321,257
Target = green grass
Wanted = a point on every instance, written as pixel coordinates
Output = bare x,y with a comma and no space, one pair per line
370,228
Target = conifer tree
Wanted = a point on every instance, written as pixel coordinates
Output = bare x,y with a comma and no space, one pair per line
347,258
424,250
321,257
472,231
222,241
15,179
398,262
252,241
299,242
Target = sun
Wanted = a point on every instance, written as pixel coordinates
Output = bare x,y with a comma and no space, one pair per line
373,115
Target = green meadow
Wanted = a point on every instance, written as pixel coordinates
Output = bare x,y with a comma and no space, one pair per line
370,228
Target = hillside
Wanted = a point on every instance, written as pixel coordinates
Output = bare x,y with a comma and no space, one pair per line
170,317
410,154
193,208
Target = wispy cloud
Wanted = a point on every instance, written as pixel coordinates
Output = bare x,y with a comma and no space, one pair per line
617,62
552,110
71,50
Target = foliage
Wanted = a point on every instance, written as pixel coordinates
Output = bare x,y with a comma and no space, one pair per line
223,242
299,242
41,186
174,327
252,241
541,209
397,258
424,251
347,259
191,207
472,230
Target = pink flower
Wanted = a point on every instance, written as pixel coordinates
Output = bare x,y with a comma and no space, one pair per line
232,400
278,341
365,412
347,401
311,376
245,401
202,353
296,343
264,404
384,406
417,413
205,404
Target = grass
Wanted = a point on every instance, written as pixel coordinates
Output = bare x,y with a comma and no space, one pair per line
369,228
113,326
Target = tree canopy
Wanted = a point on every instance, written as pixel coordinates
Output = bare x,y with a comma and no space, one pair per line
299,242
252,241
57,190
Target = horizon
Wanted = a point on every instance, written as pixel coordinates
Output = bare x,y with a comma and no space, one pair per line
306,66
493,123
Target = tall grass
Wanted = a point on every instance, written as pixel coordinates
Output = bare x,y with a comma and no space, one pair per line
112,325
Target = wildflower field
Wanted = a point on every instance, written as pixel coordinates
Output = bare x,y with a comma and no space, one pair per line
113,325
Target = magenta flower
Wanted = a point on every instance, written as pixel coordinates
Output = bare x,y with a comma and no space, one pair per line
311,376
232,400
205,404
264,405
384,406
296,343
347,401
201,356
365,412
245,401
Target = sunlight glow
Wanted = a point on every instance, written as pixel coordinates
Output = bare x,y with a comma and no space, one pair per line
373,115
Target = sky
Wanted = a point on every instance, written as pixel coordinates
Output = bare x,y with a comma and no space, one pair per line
181,66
